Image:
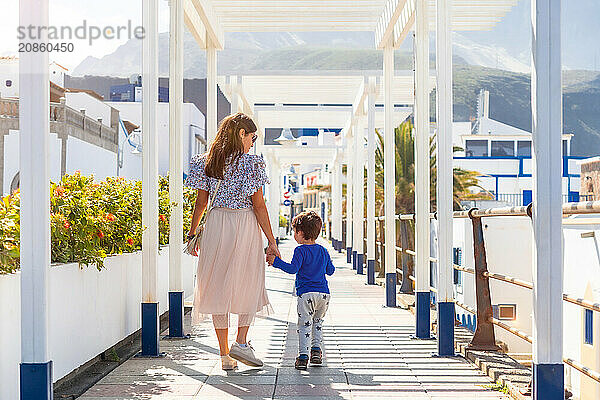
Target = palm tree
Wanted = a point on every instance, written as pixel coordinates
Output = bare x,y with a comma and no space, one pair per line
405,172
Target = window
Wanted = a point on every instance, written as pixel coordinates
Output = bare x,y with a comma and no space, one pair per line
589,327
476,148
505,311
503,148
524,148
564,148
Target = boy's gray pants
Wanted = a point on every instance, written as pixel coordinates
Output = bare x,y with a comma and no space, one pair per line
312,307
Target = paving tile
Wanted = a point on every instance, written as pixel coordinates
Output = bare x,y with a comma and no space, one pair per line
368,354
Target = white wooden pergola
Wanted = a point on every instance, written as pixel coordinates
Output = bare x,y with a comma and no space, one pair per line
317,101
391,21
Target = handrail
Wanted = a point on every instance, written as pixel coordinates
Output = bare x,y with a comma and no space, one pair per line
569,361
568,209
583,207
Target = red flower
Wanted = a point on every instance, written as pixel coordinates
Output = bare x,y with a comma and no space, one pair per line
162,218
66,225
130,241
110,217
100,234
59,191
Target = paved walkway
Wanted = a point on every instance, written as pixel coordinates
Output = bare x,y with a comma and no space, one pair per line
368,354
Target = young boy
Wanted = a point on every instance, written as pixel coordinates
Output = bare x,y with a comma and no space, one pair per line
310,263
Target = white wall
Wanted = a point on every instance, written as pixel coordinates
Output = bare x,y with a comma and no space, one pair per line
89,311
90,159
11,158
93,107
9,70
509,248
132,112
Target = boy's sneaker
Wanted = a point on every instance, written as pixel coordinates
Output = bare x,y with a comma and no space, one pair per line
301,362
245,354
316,356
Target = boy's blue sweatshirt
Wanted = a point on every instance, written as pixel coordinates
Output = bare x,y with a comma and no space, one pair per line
310,264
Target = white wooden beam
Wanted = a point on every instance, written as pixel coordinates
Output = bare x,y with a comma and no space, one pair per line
211,94
385,25
194,23
371,146
405,23
215,33
445,299
546,106
35,191
389,177
176,144
150,329
422,170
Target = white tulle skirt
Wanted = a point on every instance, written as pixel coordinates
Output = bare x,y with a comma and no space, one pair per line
231,269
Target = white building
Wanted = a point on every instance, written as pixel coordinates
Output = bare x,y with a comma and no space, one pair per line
514,258
502,154
9,76
193,137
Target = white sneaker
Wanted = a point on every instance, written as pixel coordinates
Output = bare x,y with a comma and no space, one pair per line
245,354
228,363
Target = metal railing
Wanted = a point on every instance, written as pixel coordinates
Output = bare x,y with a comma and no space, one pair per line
484,336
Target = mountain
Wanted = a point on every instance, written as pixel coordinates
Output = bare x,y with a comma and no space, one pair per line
580,32
247,52
510,102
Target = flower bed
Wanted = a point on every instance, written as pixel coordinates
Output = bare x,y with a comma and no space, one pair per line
90,220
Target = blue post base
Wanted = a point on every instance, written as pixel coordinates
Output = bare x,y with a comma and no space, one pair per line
548,382
150,330
371,272
354,260
340,246
360,262
349,255
36,381
422,300
445,336
176,315
390,289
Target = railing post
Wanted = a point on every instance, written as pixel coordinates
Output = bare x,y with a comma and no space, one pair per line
406,286
382,248
343,238
484,337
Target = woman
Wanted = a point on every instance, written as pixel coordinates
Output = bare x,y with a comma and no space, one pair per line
231,262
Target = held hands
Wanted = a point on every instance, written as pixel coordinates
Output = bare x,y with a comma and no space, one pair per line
272,252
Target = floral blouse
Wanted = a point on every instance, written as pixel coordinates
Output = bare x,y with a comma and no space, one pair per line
242,179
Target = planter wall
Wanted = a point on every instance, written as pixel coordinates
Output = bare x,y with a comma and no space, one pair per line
89,311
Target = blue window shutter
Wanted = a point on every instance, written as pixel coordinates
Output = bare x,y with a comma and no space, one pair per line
589,327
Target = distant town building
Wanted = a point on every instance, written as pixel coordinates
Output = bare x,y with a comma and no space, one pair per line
132,91
590,179
501,153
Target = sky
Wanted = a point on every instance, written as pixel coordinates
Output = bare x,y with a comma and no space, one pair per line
72,13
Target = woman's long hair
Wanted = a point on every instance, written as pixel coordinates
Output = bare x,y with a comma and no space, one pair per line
228,144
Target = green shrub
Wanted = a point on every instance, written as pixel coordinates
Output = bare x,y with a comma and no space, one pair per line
9,233
90,220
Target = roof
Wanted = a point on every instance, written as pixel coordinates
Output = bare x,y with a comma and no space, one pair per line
207,20
88,91
54,62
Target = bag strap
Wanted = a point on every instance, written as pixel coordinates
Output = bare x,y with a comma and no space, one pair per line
213,197
210,205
